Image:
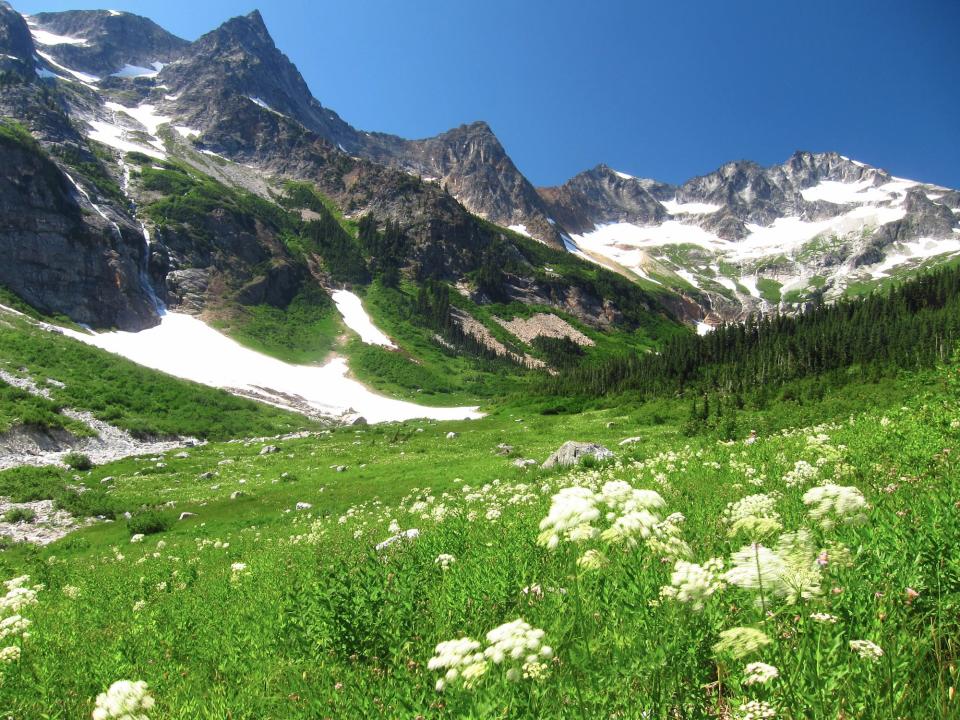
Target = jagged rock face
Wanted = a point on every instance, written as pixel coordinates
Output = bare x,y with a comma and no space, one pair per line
237,62
15,37
600,196
111,40
64,258
473,166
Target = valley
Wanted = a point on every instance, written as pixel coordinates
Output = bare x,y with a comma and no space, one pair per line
299,420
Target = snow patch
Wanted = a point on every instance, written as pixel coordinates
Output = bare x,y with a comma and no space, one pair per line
114,136
913,252
42,37
704,328
183,346
623,175
264,105
81,76
144,114
356,318
137,71
521,228
186,132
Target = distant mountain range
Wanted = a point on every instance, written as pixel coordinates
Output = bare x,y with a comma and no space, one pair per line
92,87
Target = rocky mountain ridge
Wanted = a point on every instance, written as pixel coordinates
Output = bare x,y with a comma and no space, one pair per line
232,106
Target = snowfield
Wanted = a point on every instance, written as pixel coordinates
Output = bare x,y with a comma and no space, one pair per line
187,348
356,318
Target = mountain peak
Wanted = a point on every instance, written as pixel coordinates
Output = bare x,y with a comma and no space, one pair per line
248,31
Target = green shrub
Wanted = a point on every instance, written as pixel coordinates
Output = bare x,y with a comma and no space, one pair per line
16,515
77,461
149,522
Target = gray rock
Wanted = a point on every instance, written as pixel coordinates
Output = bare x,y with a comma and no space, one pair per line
269,449
185,515
572,452
524,462
504,449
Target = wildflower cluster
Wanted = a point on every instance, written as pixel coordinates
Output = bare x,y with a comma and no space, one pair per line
739,642
694,584
866,649
789,571
631,516
124,700
13,626
756,710
515,646
758,673
753,515
832,505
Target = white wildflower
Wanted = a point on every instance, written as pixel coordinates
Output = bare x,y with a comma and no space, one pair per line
17,599
136,537
825,618
789,572
572,508
758,673
10,654
802,473
461,659
866,649
444,560
754,515
17,582
71,591
519,647
592,560
694,584
740,641
832,505
13,626
756,710
124,700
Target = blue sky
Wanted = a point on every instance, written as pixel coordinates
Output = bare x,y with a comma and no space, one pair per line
657,89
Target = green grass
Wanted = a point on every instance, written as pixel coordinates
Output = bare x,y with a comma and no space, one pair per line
769,289
303,332
18,408
314,623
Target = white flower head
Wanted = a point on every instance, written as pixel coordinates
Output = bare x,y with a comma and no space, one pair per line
754,515
694,584
124,700
739,642
758,673
756,710
866,649
832,505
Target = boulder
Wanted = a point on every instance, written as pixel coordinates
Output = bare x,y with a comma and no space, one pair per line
572,452
269,449
504,449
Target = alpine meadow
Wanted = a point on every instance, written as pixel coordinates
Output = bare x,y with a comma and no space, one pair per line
300,421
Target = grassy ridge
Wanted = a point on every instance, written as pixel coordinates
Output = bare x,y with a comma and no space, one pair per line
140,400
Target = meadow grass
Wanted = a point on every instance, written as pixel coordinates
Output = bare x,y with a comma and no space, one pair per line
259,606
